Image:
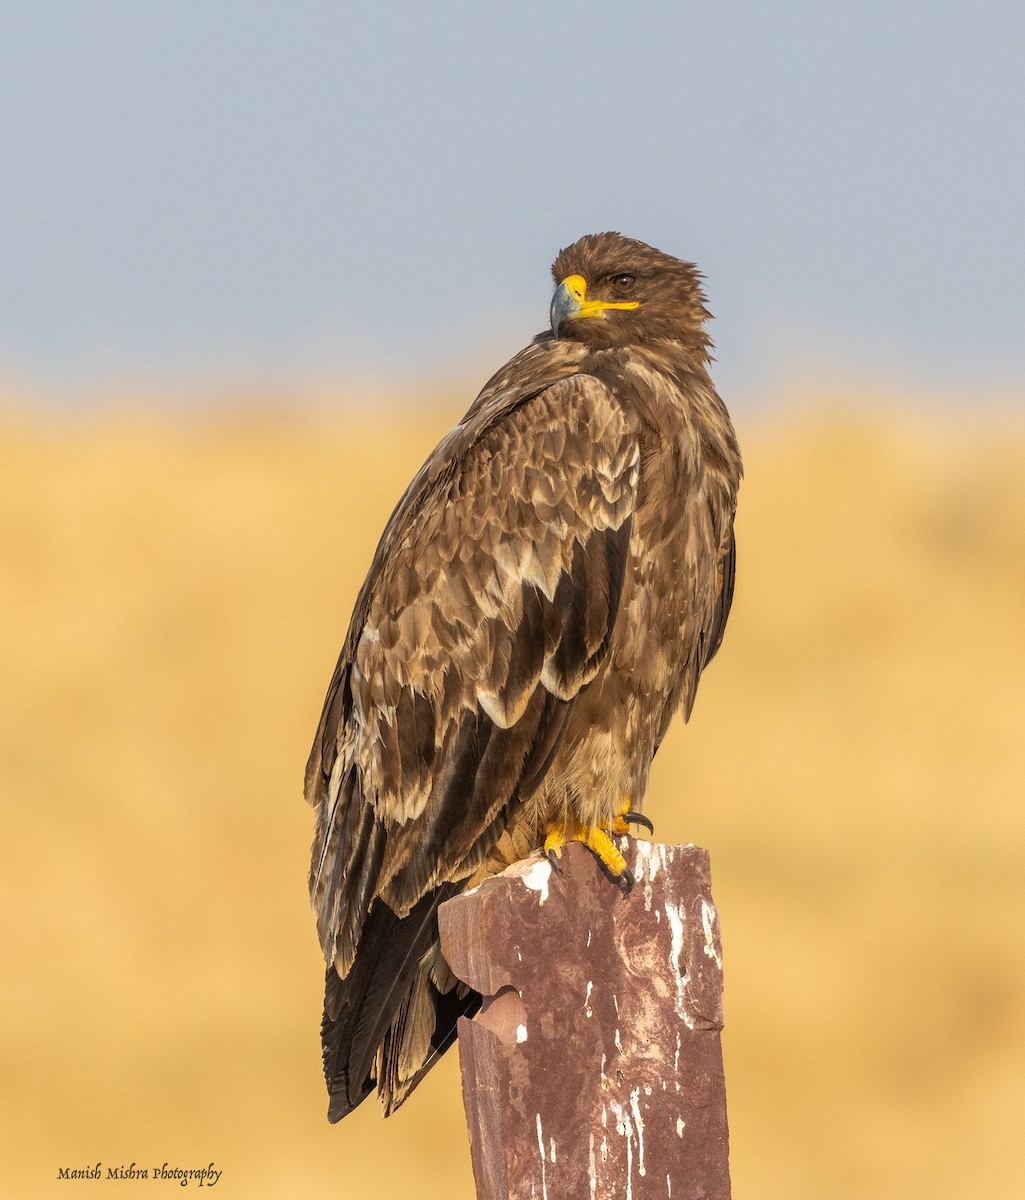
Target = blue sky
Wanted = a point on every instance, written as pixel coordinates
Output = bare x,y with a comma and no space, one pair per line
201,191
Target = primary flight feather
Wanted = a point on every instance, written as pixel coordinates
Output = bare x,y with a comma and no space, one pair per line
544,598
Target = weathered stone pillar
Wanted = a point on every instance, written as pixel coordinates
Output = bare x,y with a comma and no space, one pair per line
594,1069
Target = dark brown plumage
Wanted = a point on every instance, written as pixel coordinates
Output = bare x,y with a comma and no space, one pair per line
543,600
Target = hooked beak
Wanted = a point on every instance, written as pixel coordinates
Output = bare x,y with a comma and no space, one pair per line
570,302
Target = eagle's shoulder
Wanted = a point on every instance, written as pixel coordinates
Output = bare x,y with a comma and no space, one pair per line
535,431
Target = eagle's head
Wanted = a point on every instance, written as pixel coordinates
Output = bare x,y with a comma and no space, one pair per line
615,291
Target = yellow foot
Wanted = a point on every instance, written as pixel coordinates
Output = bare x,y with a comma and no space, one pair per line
599,842
625,817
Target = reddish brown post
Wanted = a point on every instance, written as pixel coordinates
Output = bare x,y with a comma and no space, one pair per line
594,1069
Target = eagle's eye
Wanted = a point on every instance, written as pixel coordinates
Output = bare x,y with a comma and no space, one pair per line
623,283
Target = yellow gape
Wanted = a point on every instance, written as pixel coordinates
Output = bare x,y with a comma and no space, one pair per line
580,306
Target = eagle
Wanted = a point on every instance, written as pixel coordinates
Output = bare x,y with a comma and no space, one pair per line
543,600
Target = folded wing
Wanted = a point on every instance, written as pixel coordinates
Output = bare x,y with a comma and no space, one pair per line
490,605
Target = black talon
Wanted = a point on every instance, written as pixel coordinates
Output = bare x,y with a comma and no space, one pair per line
626,881
553,858
637,818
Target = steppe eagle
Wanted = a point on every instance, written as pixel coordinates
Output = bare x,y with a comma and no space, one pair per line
543,600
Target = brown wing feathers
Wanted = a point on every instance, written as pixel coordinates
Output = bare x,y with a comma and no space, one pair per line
498,627
723,603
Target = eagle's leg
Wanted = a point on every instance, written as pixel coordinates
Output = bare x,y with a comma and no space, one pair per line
599,842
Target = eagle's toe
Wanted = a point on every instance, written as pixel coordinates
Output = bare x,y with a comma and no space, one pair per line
598,841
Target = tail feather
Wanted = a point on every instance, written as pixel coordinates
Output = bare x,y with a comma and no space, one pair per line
413,1045
374,1026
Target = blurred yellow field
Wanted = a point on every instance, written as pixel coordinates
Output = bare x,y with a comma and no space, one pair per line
174,592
